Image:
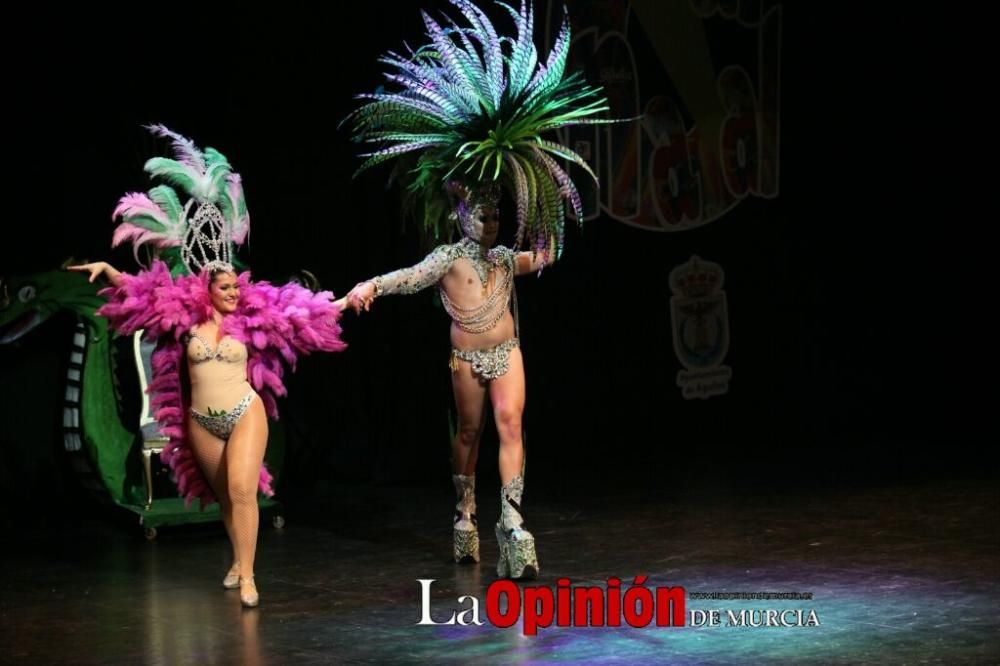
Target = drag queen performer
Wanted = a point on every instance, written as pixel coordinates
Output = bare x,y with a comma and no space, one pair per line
222,340
468,119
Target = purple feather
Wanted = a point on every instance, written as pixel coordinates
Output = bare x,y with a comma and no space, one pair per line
184,149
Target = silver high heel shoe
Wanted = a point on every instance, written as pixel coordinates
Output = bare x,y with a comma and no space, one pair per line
517,545
465,534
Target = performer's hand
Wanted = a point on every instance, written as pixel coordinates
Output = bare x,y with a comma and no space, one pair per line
361,297
96,269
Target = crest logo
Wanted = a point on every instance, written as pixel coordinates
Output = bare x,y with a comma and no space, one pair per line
700,324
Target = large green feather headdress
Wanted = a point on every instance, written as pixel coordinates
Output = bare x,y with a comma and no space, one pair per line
191,235
473,106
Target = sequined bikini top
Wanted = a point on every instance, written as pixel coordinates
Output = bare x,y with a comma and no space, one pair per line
229,349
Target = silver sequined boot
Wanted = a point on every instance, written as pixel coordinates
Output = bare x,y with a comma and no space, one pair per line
517,545
465,533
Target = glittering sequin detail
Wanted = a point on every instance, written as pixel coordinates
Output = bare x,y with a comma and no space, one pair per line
491,362
415,278
221,424
477,319
466,545
483,317
517,545
465,535
483,262
228,350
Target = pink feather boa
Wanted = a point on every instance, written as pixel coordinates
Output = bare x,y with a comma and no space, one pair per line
277,325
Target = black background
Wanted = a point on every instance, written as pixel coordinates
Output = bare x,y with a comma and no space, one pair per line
852,361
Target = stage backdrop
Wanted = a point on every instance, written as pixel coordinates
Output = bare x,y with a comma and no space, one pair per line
735,303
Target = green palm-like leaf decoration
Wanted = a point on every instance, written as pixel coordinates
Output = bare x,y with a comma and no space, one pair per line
472,105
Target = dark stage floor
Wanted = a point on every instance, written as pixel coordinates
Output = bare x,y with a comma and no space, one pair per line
907,574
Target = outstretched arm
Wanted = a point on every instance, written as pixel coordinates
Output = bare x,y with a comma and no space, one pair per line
404,281
291,319
148,300
98,268
532,262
